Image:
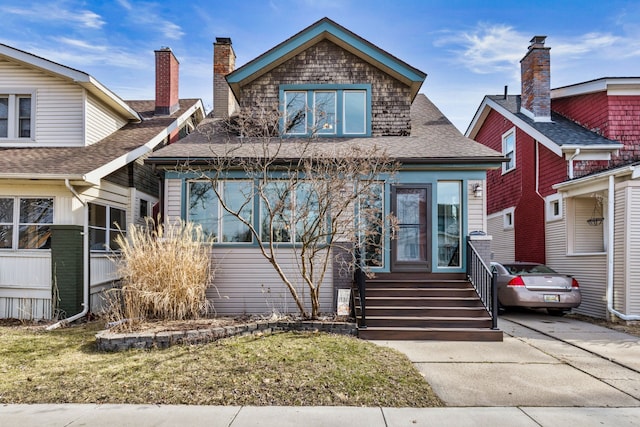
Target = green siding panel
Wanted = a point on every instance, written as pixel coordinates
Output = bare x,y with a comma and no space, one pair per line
67,268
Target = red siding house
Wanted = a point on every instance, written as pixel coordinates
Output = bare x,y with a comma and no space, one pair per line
567,197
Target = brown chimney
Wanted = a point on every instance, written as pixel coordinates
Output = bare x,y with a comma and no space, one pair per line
535,70
224,62
167,75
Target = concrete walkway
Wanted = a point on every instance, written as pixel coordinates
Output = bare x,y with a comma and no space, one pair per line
549,371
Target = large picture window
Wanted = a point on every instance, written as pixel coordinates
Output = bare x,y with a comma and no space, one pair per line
288,212
326,110
16,116
105,223
25,222
205,209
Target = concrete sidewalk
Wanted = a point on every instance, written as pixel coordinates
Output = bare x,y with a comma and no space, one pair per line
559,363
549,371
149,415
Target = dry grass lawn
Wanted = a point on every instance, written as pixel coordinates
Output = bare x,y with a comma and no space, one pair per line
282,369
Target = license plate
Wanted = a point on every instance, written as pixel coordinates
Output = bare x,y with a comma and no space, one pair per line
551,298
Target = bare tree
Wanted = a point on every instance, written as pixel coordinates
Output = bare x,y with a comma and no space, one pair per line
313,196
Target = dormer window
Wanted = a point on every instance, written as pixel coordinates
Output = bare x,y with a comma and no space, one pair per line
326,110
16,116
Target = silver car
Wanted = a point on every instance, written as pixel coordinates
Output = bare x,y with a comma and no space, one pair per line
532,285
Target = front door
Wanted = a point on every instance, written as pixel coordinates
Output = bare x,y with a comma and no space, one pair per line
411,249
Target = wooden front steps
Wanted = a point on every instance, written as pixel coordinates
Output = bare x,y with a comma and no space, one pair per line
418,306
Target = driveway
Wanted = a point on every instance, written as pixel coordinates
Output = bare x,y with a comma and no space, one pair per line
543,361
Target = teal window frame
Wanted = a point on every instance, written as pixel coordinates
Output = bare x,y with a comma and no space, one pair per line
220,220
341,91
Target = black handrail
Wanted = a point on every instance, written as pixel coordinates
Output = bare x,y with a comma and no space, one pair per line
484,282
360,282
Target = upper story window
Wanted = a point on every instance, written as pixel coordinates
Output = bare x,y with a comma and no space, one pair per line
16,116
326,110
25,222
105,223
509,150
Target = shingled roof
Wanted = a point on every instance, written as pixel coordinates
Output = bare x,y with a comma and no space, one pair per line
560,130
434,139
79,163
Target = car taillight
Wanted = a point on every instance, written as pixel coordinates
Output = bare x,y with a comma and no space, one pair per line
516,281
574,283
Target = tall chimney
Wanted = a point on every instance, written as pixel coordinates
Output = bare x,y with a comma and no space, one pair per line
167,76
224,62
535,70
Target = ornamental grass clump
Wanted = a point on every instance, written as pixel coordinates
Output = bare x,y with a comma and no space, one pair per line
165,273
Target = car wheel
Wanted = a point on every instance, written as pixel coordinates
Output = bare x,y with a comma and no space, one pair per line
556,311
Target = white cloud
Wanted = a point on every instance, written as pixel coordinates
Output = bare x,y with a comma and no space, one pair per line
498,48
486,49
56,12
82,44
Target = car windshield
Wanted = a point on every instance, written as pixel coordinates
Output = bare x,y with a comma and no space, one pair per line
519,269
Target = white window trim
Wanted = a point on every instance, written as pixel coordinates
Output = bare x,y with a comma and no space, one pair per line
549,202
504,152
13,127
109,227
506,214
15,235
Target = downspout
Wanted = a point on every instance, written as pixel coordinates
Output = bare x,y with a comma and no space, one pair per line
610,230
85,254
573,156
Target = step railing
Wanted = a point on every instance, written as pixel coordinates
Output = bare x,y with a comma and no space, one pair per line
360,285
484,282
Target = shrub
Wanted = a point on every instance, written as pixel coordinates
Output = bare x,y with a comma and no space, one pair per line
165,273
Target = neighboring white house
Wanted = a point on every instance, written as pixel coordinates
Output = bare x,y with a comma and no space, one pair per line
71,167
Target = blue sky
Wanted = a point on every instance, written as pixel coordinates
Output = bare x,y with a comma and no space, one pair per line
467,48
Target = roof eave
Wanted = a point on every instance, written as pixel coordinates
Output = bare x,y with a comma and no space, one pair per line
326,29
83,79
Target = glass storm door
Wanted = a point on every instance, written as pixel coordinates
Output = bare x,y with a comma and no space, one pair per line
411,249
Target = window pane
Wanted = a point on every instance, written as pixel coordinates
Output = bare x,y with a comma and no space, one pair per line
34,237
118,219
371,218
97,215
324,110
237,194
97,240
36,211
279,216
354,112
509,149
4,116
203,208
295,112
24,119
411,211
449,222
6,236
306,213
113,235
6,211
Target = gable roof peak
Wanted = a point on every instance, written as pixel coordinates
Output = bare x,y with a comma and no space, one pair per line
328,29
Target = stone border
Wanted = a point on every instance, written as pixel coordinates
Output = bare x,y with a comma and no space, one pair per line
111,341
